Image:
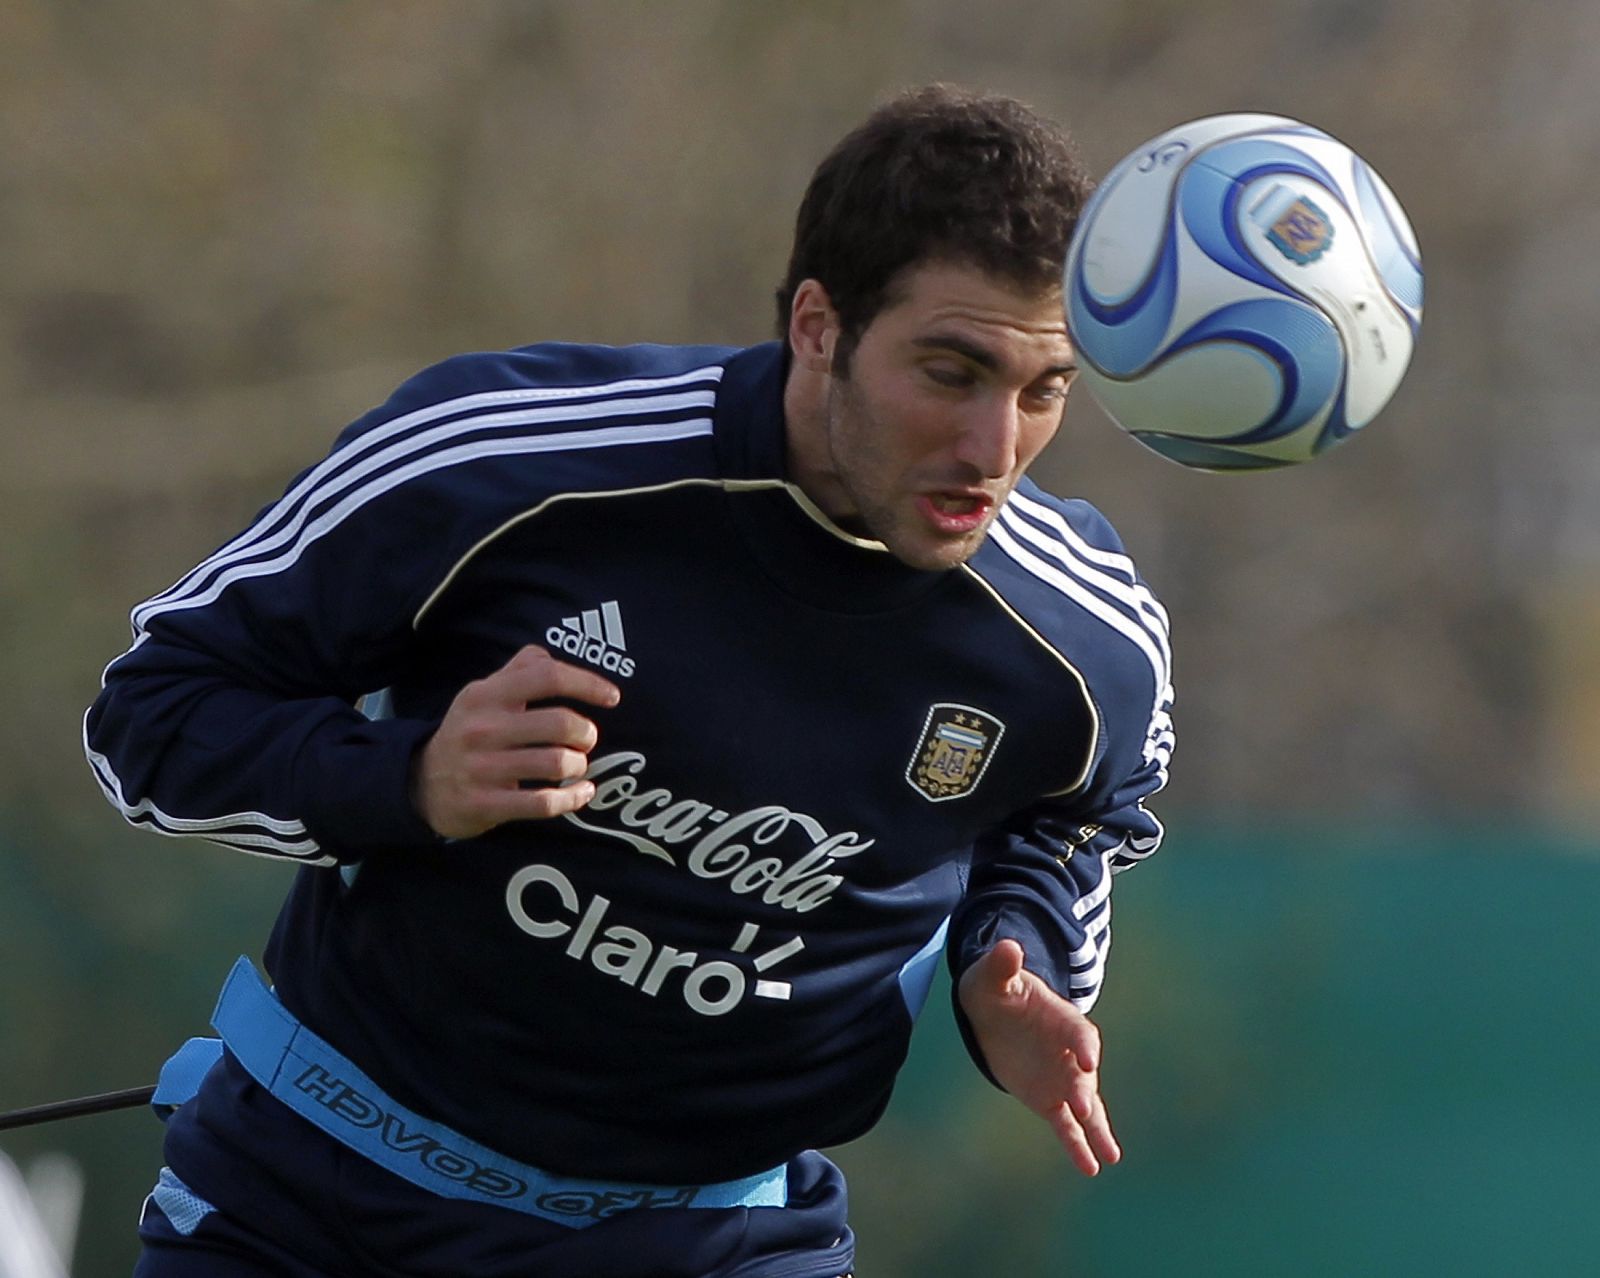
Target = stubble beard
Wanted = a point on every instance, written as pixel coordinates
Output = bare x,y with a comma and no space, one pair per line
852,432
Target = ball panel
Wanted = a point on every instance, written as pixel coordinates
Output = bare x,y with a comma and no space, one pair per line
1378,342
1209,199
1299,341
1128,217
1244,159
1200,392
1125,218
1336,427
1312,239
1394,245
1125,334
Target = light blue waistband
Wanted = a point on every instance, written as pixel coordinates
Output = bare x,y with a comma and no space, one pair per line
326,1089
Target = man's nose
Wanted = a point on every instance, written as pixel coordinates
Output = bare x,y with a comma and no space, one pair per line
990,436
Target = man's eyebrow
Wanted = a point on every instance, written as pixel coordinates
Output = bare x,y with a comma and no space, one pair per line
979,355
961,346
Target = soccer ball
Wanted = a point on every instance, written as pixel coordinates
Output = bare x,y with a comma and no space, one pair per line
1243,292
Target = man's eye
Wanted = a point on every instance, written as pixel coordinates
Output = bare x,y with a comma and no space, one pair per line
946,375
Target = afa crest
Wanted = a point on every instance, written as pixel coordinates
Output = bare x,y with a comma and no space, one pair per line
1301,232
956,746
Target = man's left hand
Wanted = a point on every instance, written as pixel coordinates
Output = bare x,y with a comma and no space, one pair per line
1042,1050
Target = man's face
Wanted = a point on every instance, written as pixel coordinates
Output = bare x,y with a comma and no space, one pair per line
954,388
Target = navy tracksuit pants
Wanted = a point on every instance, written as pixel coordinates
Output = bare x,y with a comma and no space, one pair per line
252,1189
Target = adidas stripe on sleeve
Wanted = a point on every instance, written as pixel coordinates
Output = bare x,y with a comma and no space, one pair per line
1046,880
231,717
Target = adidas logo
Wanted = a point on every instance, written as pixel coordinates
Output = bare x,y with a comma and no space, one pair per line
594,636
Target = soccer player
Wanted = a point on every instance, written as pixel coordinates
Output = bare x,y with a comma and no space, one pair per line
646,723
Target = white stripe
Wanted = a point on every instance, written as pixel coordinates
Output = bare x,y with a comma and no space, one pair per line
316,528
335,473
638,841
270,856
1085,904
1136,850
1093,950
217,830
102,769
1084,987
1090,955
1160,739
473,403
282,837
263,535
1089,602
1137,599
1121,564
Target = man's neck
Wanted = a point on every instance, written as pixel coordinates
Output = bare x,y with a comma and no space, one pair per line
807,457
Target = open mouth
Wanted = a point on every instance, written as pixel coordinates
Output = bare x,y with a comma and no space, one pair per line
955,513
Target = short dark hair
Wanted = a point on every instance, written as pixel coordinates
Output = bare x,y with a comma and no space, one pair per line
935,173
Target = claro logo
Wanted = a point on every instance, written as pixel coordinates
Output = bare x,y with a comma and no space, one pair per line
545,904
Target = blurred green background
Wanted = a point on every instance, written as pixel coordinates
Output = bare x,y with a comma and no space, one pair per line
1349,1019
1328,1054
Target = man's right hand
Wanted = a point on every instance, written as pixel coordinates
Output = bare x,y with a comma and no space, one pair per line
496,735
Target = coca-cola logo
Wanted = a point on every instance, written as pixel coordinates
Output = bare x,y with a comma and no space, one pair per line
736,847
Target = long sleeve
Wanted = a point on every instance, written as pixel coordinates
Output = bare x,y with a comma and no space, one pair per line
1044,878
233,715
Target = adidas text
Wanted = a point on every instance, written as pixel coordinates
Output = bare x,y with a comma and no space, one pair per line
595,635
591,650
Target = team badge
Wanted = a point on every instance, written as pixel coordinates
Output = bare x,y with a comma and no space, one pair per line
956,746
1302,232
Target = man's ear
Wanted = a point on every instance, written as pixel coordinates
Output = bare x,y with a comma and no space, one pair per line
813,327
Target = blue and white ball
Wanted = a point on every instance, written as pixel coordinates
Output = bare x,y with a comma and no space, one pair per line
1243,291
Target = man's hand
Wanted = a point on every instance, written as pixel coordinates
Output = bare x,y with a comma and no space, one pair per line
496,735
1042,1050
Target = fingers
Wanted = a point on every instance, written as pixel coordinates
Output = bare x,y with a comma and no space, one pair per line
1071,1135
1083,1041
1082,1088
1084,1126
514,727
1095,1143
1102,1140
530,803
503,753
529,766
1041,1049
1087,1137
534,675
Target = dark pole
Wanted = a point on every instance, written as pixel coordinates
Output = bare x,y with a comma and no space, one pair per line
73,1108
